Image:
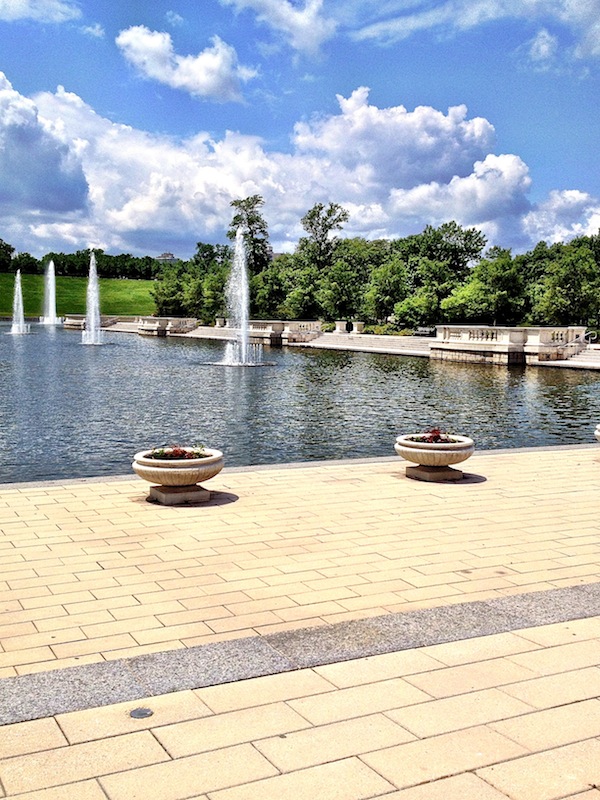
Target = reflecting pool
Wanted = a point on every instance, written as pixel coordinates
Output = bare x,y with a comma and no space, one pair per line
72,411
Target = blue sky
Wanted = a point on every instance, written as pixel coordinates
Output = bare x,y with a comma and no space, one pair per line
132,126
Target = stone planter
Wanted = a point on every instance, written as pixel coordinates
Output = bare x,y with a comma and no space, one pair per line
434,459
177,479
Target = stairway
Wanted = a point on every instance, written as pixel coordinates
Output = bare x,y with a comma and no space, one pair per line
586,359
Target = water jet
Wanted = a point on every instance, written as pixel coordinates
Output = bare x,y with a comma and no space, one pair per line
19,326
49,317
92,333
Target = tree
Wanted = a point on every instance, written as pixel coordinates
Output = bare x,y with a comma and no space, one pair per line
387,286
6,254
453,246
256,234
168,291
570,292
319,222
493,294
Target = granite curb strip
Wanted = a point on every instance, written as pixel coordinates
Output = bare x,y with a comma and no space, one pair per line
45,694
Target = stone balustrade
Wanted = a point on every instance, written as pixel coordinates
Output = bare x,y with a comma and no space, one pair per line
498,344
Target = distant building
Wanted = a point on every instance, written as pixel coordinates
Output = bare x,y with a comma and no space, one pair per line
167,258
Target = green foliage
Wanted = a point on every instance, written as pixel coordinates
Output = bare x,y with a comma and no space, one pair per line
6,253
195,288
492,293
421,280
256,235
319,222
570,290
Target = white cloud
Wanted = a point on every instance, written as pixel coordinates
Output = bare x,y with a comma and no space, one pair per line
395,171
214,73
398,19
395,145
564,215
305,28
542,50
39,10
39,174
174,19
96,31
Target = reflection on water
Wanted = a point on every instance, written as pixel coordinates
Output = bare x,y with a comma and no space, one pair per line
69,411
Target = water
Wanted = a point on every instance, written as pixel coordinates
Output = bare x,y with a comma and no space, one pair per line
241,352
19,326
50,317
72,411
92,333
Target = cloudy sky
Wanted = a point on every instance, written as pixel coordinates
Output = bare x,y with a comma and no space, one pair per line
131,126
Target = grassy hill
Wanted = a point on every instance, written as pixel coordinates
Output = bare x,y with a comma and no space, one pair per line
118,297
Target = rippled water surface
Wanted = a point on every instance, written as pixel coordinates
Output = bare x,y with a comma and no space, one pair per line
71,411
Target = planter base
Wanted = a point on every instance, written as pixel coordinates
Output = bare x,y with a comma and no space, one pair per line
178,495
434,474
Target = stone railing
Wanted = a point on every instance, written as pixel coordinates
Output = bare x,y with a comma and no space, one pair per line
506,345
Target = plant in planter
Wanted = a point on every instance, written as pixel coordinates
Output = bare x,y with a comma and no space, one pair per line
177,470
434,451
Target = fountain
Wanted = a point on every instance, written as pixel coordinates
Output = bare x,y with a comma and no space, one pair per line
92,333
50,317
241,352
19,325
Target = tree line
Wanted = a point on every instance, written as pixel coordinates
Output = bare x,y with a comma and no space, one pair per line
443,274
77,265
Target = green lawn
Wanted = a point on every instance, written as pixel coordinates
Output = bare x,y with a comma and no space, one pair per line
119,297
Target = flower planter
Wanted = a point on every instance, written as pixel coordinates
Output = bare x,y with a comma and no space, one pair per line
434,459
177,479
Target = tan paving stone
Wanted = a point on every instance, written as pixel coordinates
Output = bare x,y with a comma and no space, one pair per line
264,690
460,787
442,756
114,720
349,779
377,668
86,646
460,711
30,737
236,727
467,678
357,701
58,663
562,632
554,690
544,730
189,777
561,658
481,648
332,742
79,762
29,656
555,773
82,790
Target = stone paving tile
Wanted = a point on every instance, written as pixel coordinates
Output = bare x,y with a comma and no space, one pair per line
66,765
191,776
349,779
460,787
555,773
442,756
113,720
136,532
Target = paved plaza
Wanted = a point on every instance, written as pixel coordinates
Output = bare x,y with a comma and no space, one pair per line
332,631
